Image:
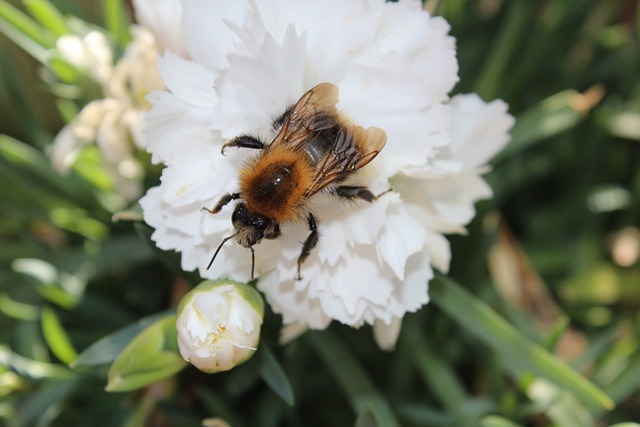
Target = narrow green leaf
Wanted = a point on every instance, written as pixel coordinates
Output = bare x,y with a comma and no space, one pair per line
367,418
218,404
117,20
31,368
518,354
272,373
352,378
41,407
108,348
150,357
496,65
627,382
496,421
27,44
48,15
31,169
17,310
24,25
559,405
545,119
56,337
170,258
442,381
626,425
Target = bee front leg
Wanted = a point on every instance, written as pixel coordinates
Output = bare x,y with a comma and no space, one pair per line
222,202
309,244
356,192
244,141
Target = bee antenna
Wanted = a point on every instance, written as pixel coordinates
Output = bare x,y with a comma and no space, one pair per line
253,260
215,254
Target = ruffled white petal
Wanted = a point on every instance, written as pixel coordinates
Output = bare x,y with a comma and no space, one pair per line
394,66
163,18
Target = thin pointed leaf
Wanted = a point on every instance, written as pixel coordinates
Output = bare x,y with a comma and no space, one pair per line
42,406
48,15
559,405
117,20
108,348
439,376
150,357
272,373
549,117
25,42
367,418
56,337
496,421
352,378
31,368
22,28
518,354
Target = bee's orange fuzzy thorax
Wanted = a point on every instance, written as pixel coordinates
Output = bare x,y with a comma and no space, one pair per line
274,183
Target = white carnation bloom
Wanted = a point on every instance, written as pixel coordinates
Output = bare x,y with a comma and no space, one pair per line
219,325
394,66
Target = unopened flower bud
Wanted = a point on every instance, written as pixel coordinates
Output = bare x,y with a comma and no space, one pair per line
219,325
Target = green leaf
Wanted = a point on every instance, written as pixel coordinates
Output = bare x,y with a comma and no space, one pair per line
218,404
117,20
48,15
171,259
17,310
31,170
17,24
519,355
559,405
31,368
496,421
503,49
547,118
627,382
56,337
272,373
352,378
108,348
367,418
150,357
441,379
42,406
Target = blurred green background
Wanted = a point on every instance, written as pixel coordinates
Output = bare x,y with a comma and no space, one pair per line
536,325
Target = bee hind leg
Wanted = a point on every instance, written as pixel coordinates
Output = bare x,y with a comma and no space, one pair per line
356,192
244,141
309,243
222,202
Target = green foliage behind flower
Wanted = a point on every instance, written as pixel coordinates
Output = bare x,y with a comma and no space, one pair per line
535,325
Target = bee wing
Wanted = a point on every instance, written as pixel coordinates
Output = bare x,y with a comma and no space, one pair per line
312,112
355,148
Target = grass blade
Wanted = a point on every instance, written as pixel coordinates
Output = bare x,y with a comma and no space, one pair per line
519,355
48,15
353,379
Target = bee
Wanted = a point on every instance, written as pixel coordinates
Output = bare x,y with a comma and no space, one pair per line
316,149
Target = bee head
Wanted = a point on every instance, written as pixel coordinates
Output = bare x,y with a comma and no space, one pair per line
252,227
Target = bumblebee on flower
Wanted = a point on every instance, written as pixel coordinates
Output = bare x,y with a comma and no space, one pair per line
393,65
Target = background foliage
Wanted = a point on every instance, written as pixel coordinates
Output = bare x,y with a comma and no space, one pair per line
536,324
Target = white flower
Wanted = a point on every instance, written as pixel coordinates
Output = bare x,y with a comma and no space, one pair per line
90,54
219,325
394,66
114,123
